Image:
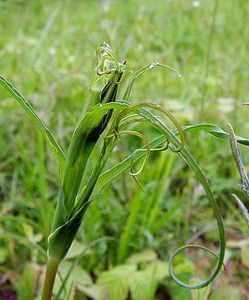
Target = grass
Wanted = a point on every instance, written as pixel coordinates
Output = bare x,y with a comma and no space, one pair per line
47,50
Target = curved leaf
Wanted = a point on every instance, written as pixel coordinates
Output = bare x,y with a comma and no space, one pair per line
54,146
108,176
214,130
187,157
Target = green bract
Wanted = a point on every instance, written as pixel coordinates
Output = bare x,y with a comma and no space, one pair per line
106,116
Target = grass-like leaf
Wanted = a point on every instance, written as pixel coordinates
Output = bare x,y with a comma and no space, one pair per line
52,143
108,176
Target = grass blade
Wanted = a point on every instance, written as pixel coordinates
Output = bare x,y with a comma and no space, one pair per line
44,34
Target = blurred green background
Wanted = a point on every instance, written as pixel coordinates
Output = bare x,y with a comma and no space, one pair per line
47,51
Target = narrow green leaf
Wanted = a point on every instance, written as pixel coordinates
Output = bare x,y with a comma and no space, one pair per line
67,221
214,130
125,90
61,239
108,176
187,157
78,275
54,146
83,141
44,34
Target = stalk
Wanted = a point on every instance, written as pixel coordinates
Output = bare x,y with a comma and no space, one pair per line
51,271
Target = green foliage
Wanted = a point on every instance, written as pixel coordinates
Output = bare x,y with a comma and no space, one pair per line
140,276
3,255
74,199
116,281
55,148
27,287
228,293
143,285
42,54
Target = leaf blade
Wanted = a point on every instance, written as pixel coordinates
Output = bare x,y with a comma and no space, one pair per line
52,143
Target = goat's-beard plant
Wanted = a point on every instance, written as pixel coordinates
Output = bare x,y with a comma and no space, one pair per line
105,117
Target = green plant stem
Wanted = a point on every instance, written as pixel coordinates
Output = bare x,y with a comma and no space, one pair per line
51,271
